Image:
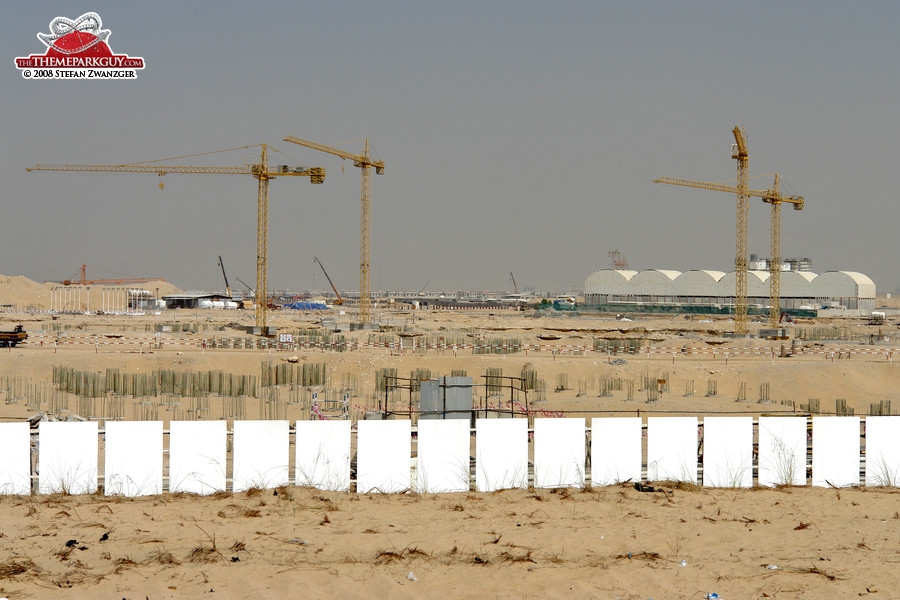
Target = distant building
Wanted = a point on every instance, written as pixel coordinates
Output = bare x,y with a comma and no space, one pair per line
201,300
799,289
787,264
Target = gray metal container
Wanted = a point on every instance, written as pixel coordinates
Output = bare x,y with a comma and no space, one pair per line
446,398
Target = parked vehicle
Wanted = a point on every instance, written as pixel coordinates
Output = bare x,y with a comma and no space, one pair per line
11,338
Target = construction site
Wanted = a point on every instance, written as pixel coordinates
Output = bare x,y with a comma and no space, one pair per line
240,395
764,309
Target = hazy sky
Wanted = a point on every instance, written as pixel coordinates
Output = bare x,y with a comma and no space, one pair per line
517,136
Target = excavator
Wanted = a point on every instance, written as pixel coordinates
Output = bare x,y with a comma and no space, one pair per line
339,300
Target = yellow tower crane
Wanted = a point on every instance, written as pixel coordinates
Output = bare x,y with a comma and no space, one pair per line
772,196
365,163
259,171
740,153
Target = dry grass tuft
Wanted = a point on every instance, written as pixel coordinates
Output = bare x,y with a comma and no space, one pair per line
390,556
120,564
63,555
162,557
76,577
818,571
204,554
10,569
387,557
328,503
685,486
517,558
650,556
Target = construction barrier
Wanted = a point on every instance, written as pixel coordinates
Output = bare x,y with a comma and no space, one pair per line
436,456
146,343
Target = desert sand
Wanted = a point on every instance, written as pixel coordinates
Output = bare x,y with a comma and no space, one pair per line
681,541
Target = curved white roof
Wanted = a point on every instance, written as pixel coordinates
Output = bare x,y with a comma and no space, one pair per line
757,284
671,274
763,276
653,282
609,281
843,284
794,284
697,283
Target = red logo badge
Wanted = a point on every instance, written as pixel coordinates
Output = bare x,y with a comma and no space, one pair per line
78,49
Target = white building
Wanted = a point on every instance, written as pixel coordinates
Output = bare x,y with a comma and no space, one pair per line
846,289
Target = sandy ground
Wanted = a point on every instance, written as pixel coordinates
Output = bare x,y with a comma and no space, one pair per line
613,542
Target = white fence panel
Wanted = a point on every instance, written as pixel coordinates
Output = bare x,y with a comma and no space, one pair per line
133,458
728,451
616,454
384,452
559,453
672,449
501,456
782,451
883,451
197,456
442,463
261,452
835,451
15,458
67,457
323,455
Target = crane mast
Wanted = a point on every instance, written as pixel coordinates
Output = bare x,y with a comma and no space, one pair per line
365,237
365,164
262,242
775,256
259,171
742,253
